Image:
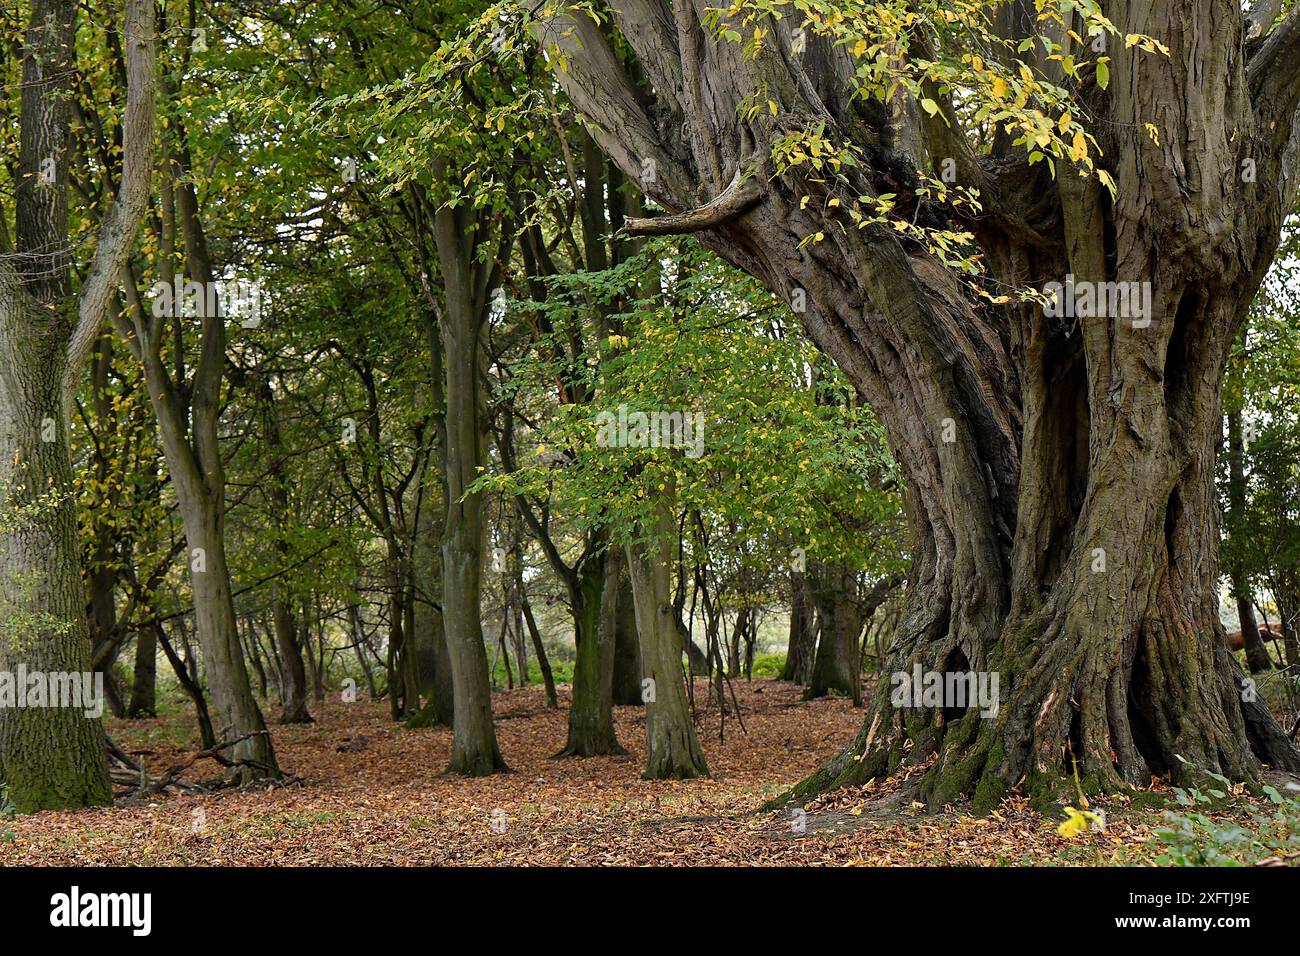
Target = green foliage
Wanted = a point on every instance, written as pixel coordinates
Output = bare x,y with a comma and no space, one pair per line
8,814
769,665
561,671
1197,837
783,456
1262,536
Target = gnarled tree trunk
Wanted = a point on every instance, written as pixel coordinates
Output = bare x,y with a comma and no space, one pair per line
1059,473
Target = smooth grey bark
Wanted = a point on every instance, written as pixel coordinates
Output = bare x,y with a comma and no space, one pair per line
1069,440
193,453
672,747
467,285
595,602
836,664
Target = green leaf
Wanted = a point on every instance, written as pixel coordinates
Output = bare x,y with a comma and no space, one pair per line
1103,74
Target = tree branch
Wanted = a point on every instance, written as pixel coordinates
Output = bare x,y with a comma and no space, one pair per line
117,234
1260,17
742,195
1273,72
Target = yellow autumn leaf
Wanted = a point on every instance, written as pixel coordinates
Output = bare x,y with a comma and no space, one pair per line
1079,147
1073,824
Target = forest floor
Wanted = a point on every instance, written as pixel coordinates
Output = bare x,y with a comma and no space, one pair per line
372,793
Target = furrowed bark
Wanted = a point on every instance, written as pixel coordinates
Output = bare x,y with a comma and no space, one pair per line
1059,471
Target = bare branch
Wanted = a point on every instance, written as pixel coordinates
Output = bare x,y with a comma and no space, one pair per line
1261,16
1274,69
117,235
742,195
600,88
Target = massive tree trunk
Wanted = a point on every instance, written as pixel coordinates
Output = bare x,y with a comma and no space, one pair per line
53,757
1059,473
467,284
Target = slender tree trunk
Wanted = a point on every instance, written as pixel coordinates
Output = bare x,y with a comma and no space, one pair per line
207,736
835,667
428,637
359,645
144,684
1257,658
254,642
543,662
474,747
234,708
192,448
673,749
595,620
803,632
